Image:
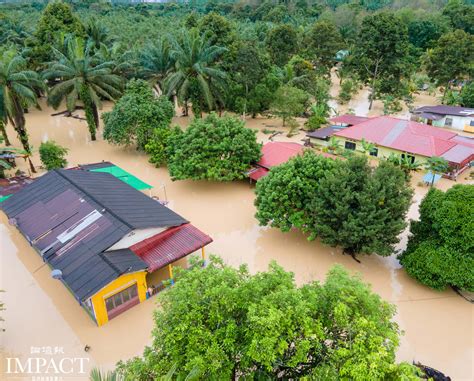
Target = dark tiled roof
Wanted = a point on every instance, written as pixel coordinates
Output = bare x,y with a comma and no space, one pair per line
132,207
90,167
71,217
125,260
324,133
446,110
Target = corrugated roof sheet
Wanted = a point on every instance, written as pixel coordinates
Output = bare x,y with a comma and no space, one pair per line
276,153
72,217
348,119
169,246
325,132
459,154
402,135
446,110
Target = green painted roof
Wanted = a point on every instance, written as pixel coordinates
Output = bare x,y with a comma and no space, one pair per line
3,198
124,176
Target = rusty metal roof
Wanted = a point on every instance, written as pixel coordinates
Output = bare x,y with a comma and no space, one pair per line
169,246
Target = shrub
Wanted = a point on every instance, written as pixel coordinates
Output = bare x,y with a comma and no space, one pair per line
53,155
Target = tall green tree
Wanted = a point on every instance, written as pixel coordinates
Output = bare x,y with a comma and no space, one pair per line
467,95
440,250
215,148
195,70
283,196
223,323
451,59
156,63
322,43
18,91
82,78
381,56
282,43
55,19
136,115
461,15
289,102
360,209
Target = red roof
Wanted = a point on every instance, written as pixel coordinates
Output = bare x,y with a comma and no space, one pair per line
169,246
276,153
348,119
273,154
402,135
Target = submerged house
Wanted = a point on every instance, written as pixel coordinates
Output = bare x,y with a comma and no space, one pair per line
273,154
102,237
456,117
410,139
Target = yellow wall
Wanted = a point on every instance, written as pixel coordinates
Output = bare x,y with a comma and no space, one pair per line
384,152
119,284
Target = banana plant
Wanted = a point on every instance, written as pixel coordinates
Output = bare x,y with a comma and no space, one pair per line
367,147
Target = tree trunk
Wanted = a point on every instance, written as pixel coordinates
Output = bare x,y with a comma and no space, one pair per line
374,78
95,112
19,125
445,92
4,133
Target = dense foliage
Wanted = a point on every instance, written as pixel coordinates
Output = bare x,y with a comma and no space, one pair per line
440,251
52,155
136,116
345,203
214,148
222,323
216,56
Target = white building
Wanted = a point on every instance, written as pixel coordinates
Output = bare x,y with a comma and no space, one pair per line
455,117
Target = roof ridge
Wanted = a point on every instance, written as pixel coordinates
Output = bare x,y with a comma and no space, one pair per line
59,172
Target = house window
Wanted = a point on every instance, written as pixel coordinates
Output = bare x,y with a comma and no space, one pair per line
350,145
374,152
410,157
122,300
448,122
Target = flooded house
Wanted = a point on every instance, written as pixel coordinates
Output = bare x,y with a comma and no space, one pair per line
273,154
455,117
410,139
101,237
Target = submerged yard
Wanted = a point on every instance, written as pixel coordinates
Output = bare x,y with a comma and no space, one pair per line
41,312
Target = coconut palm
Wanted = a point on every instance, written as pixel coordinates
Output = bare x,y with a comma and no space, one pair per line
195,70
97,33
18,89
82,77
436,165
156,63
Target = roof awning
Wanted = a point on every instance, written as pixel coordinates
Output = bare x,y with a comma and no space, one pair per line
169,246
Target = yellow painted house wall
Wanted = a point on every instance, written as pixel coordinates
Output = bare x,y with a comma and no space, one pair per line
382,151
119,284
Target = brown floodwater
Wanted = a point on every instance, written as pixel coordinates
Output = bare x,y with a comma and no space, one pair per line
438,326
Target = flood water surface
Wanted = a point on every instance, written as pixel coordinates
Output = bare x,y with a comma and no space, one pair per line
438,326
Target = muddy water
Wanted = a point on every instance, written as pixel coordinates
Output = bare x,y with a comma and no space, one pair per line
40,312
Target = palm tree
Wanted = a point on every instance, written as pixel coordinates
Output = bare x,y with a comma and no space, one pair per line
97,375
194,71
333,144
97,33
82,77
157,63
18,89
436,165
124,61
367,147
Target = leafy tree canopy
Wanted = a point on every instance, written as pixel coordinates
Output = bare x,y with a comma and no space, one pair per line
289,102
282,43
451,58
467,95
284,195
215,148
136,115
222,323
440,250
53,155
323,42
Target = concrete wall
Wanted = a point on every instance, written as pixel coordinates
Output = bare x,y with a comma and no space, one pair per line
119,284
460,123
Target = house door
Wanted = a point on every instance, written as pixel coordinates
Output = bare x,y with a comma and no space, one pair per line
122,301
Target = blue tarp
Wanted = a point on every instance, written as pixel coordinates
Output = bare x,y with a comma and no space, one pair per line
428,178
